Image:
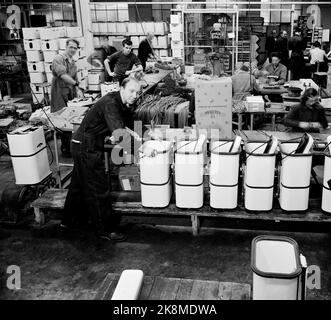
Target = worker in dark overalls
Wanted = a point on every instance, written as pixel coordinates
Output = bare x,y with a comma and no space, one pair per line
65,86
89,190
297,45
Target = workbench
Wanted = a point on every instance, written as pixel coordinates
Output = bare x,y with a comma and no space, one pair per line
268,111
152,79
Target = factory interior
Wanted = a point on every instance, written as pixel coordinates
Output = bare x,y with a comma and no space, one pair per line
165,150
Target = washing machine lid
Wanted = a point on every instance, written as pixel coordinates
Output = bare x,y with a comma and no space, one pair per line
275,257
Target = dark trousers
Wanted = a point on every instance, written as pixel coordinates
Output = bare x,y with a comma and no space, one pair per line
143,63
88,196
297,66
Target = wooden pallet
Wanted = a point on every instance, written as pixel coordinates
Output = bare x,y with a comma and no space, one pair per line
51,199
162,288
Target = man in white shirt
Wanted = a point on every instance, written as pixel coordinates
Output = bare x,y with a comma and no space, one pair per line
317,55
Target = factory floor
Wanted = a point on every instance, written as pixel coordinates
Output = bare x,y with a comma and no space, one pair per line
54,268
74,267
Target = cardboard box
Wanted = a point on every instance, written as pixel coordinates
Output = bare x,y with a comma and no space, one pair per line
34,56
103,27
135,41
177,53
159,28
36,88
123,11
121,28
111,27
31,33
177,45
255,104
163,53
37,77
52,33
74,32
176,28
50,45
32,44
162,42
213,105
176,36
132,28
148,27
96,77
175,19
36,66
95,27
139,28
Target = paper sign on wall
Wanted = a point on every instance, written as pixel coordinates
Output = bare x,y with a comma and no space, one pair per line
326,35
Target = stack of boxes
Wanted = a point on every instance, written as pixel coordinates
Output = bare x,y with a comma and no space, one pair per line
42,45
95,78
199,60
110,32
177,36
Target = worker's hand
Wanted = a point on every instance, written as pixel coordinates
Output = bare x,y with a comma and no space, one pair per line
149,152
112,74
155,134
127,73
79,93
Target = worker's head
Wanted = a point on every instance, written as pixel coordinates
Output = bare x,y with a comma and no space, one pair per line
297,31
244,68
72,46
316,44
284,34
275,59
310,97
129,90
149,36
274,33
127,46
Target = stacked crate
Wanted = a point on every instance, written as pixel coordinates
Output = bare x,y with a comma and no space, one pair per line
35,63
95,78
177,36
109,32
42,45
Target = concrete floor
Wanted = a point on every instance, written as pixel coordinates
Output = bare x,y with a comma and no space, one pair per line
53,268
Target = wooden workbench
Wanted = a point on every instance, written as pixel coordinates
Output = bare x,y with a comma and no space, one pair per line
129,204
152,79
162,288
